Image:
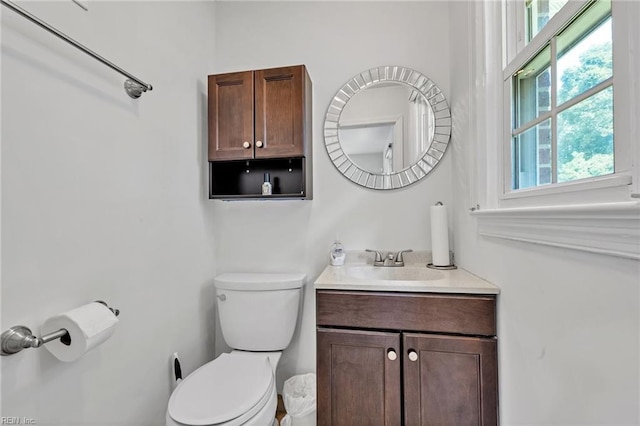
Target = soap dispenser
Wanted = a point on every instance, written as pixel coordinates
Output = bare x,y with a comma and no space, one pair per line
337,253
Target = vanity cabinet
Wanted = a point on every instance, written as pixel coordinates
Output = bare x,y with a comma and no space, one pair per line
257,119
387,358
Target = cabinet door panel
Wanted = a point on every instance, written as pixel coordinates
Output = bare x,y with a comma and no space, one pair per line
452,382
279,103
357,382
230,116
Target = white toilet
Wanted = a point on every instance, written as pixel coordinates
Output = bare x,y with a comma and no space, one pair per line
258,315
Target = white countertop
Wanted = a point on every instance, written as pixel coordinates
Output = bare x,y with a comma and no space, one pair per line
358,273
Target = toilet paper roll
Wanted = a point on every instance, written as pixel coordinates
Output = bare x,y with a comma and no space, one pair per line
439,236
88,326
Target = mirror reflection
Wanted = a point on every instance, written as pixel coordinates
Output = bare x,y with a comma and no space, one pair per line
387,127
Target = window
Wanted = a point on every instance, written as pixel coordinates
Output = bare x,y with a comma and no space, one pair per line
562,167
561,95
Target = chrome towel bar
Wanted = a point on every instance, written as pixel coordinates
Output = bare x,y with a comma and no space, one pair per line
133,85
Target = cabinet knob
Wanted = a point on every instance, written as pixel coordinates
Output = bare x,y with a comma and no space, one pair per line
246,145
413,355
392,355
259,144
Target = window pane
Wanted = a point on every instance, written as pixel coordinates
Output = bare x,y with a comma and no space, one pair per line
539,12
585,138
585,57
532,157
561,130
532,89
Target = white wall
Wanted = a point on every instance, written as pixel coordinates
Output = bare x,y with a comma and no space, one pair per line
569,322
104,197
335,40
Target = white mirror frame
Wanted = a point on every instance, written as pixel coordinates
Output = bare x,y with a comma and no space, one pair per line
411,174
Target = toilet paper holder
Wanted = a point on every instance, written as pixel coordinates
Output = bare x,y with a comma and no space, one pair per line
19,337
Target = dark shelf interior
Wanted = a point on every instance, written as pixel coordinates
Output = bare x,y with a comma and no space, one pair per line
242,179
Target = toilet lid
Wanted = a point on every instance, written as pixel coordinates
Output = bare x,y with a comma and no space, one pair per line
221,390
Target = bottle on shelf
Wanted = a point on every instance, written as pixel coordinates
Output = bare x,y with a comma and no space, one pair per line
266,186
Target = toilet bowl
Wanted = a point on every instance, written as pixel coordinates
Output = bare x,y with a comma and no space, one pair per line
234,389
258,313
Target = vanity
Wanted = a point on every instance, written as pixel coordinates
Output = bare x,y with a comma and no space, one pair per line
406,345
398,343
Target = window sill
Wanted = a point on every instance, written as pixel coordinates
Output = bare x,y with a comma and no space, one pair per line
578,185
610,229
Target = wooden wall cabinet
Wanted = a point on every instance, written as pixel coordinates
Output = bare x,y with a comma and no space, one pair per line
406,359
257,119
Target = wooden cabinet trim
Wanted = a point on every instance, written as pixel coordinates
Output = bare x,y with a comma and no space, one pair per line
453,314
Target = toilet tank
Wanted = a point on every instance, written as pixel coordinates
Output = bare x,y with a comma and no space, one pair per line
258,311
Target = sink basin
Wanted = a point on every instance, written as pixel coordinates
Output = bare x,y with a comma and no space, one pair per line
380,273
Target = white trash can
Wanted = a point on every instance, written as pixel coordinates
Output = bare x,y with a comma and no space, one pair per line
299,396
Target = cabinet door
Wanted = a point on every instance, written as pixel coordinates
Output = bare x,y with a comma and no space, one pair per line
279,115
453,380
358,381
231,116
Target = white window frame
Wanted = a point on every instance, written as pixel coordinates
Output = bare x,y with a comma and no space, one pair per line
598,215
518,54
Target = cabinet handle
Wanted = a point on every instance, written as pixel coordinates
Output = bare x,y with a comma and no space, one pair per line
413,355
246,145
259,144
392,355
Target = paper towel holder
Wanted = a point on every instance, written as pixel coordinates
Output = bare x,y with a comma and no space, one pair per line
20,337
450,266
452,263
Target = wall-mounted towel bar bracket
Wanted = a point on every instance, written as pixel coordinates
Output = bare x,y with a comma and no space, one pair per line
20,337
133,85
133,89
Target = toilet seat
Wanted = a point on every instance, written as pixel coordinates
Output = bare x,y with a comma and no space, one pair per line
226,391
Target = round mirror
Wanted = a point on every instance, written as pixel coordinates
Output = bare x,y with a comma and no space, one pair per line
393,133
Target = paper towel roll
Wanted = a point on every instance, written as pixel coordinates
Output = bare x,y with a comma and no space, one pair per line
439,236
88,326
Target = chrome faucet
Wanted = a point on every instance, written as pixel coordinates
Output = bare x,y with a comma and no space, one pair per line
390,258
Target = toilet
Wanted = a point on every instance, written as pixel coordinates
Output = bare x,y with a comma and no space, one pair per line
258,314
